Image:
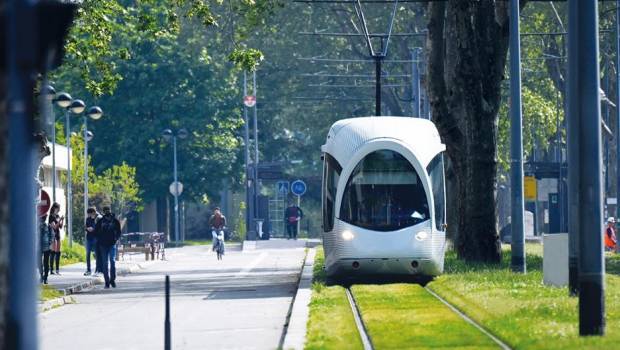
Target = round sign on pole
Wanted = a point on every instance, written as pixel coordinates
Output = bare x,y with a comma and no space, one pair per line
44,203
298,188
172,188
249,100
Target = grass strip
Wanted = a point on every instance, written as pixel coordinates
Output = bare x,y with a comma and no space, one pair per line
331,324
520,309
49,293
405,316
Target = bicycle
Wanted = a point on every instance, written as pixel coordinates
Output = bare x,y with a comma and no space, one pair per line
218,245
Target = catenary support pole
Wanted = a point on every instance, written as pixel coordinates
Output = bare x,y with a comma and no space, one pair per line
246,137
516,143
256,189
584,84
69,222
53,116
176,191
21,315
415,81
378,85
617,140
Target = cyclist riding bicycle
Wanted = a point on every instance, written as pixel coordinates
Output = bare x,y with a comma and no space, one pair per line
217,223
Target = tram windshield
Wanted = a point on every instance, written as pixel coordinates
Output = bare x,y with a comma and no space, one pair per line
384,193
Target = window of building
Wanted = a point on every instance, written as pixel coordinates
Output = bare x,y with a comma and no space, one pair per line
384,193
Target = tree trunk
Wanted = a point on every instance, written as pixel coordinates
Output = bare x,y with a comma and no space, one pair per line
467,48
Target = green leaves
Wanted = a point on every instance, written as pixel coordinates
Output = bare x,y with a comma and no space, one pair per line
247,59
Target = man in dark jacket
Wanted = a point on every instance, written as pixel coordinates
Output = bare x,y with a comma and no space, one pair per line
292,215
108,232
91,240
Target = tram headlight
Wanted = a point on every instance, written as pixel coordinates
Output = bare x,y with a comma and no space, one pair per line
347,235
422,235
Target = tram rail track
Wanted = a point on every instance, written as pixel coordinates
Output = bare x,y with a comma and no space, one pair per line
367,341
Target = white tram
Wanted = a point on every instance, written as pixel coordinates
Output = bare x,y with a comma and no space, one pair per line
383,200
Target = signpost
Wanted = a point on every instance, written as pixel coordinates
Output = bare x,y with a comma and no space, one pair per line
529,188
174,187
44,203
283,187
249,101
298,188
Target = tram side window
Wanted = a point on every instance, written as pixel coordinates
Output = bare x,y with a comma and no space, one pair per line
331,175
436,173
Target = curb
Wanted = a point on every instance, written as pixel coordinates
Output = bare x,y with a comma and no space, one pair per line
295,337
54,303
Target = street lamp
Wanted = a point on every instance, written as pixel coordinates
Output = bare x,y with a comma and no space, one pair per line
169,135
50,96
76,107
95,113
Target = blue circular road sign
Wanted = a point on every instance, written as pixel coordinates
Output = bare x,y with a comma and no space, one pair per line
298,188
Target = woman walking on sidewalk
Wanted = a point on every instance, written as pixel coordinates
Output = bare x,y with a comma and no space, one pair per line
56,223
45,240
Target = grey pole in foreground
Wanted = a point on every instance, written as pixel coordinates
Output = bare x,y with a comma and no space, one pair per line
167,333
415,81
584,81
248,188
85,167
176,190
256,189
516,143
21,315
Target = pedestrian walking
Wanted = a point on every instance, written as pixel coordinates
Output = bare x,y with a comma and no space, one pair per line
91,241
292,215
610,235
45,245
107,233
56,223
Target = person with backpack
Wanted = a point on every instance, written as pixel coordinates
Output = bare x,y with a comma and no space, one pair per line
45,240
292,215
107,233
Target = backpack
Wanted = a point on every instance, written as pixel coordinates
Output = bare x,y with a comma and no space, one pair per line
108,228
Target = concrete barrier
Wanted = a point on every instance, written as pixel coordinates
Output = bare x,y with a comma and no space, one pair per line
555,259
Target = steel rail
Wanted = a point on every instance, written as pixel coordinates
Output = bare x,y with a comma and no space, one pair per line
359,322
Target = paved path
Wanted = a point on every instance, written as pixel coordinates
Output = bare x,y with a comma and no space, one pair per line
238,303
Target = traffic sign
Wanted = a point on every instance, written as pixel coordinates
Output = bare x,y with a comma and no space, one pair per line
282,187
529,188
249,100
172,189
298,188
44,203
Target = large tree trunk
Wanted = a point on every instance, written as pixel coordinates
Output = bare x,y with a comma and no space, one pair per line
467,46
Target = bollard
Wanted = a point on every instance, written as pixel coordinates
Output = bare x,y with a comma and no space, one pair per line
167,340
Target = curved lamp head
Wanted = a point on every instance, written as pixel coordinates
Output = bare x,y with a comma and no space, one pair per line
49,92
167,134
95,112
89,136
77,106
183,133
63,100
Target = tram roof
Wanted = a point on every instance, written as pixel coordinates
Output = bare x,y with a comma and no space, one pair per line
347,135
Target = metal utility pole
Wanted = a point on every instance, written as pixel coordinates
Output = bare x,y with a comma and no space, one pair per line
516,143
378,59
584,123
53,131
69,222
617,140
85,167
248,180
415,82
256,188
176,190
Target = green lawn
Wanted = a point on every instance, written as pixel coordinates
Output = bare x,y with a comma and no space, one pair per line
519,309
331,324
75,254
405,316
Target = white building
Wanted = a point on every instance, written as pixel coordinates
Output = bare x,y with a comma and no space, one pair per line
45,176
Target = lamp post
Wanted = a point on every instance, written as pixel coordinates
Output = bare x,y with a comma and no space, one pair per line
50,96
169,135
95,113
76,107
